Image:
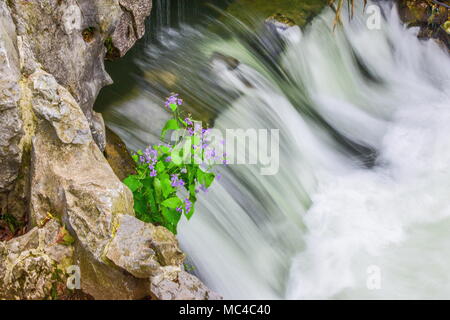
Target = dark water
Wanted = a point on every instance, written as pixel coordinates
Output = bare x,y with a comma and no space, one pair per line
125,72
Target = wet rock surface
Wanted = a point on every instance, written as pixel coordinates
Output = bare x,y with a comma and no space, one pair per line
432,17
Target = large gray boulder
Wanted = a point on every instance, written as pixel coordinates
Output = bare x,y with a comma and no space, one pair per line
68,38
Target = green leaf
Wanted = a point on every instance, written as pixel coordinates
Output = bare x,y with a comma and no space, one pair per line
172,217
133,183
173,107
172,203
160,167
196,140
152,201
205,178
140,206
192,193
171,124
192,172
164,149
166,185
158,189
149,194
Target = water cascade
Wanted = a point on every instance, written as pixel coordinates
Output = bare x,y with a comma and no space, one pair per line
364,175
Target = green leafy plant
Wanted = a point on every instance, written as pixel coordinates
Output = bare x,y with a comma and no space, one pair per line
169,176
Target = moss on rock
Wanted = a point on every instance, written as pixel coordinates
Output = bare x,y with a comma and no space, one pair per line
301,12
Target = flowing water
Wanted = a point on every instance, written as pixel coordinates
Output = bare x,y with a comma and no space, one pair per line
364,179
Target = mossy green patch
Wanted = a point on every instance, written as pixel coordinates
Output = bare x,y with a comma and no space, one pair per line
300,11
111,52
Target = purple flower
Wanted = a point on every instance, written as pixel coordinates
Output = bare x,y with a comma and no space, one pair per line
153,173
188,122
205,132
168,159
176,181
173,99
188,205
210,154
179,209
150,156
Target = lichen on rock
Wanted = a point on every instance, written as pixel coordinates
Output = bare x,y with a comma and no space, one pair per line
28,264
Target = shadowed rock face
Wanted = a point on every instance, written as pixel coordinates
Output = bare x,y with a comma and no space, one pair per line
118,156
51,68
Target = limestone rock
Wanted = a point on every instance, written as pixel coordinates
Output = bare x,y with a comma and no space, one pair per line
141,248
10,122
55,104
107,282
29,264
180,286
71,178
98,130
131,247
132,24
68,38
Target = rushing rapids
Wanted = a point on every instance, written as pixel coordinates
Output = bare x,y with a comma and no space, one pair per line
364,177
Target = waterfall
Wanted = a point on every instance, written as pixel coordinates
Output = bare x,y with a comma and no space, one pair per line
364,177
